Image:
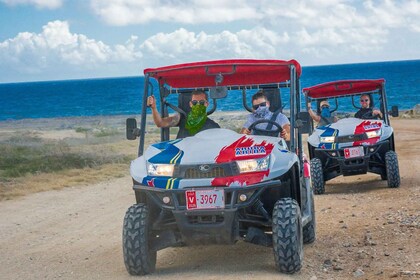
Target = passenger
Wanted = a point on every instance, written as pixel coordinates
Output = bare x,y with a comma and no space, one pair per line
260,110
325,118
367,111
196,121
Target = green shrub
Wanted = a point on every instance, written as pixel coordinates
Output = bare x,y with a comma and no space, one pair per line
81,129
103,132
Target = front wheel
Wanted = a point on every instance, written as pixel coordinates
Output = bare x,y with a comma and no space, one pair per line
392,170
317,176
287,236
139,258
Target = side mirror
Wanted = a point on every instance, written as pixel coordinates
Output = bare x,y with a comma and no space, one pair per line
303,122
218,92
132,132
394,111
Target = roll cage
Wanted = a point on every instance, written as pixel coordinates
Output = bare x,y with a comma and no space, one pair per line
219,77
352,88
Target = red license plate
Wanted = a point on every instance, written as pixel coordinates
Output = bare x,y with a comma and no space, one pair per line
354,152
205,199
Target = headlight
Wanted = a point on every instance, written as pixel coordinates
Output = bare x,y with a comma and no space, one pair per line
327,139
253,165
157,169
373,134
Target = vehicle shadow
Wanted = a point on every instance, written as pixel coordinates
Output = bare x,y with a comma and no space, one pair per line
222,260
355,185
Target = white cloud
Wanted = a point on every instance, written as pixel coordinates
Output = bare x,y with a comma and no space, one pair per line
336,29
57,48
126,12
327,25
182,45
47,4
315,14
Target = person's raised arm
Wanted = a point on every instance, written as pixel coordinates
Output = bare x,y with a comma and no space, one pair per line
159,121
313,115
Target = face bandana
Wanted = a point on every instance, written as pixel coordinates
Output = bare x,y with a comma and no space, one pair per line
261,112
196,119
325,112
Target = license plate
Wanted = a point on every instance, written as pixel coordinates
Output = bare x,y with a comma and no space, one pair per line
205,199
354,152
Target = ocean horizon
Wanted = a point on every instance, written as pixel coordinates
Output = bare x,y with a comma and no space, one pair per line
122,95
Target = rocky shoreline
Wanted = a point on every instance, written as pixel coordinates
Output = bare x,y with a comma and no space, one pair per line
237,117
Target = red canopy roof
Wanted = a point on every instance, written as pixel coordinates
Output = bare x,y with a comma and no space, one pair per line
234,72
345,87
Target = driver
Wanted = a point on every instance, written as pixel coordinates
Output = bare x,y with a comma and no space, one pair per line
260,110
196,121
367,112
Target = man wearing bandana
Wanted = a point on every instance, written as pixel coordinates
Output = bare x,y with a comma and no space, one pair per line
195,121
260,110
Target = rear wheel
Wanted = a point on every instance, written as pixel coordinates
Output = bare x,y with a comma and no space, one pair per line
139,258
317,176
392,170
287,236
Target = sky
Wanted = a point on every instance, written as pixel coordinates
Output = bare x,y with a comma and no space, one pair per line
43,40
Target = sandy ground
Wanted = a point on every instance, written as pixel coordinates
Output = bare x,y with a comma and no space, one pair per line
364,231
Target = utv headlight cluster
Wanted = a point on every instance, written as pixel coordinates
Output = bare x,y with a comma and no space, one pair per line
158,169
327,139
254,165
373,134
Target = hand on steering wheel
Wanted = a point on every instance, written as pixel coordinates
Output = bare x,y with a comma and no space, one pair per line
258,131
370,116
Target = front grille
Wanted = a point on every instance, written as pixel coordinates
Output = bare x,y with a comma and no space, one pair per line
351,138
195,173
200,171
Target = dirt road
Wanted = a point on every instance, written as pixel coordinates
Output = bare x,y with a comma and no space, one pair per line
364,231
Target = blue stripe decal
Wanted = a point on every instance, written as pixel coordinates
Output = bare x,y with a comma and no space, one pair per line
171,154
328,132
164,145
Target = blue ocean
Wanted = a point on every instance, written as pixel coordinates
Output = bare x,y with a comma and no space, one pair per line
122,96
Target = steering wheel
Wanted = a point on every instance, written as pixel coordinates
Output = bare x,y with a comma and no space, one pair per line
258,131
370,116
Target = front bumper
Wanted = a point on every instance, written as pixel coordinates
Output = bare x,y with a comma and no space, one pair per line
334,163
210,226
178,202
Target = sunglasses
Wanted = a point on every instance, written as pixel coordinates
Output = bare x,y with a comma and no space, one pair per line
364,100
201,102
256,106
325,106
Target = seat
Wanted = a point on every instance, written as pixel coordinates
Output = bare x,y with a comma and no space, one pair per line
273,95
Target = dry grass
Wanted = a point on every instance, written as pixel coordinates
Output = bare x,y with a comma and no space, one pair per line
35,161
33,183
